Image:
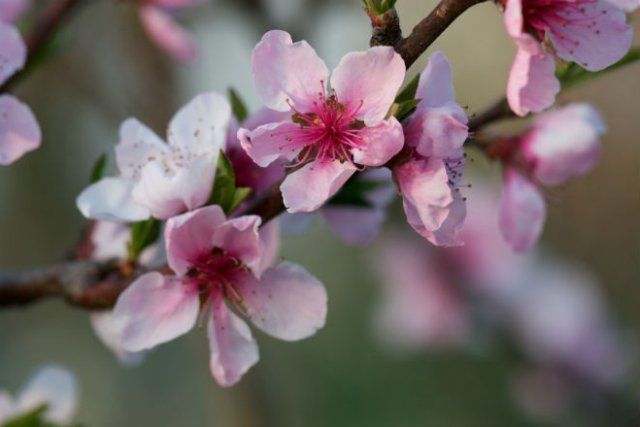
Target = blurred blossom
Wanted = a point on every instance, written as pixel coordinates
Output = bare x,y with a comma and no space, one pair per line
221,263
429,175
157,20
19,129
559,145
159,179
591,33
329,135
12,10
52,386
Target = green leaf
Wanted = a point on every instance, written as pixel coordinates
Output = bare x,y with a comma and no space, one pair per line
143,234
378,7
572,74
404,109
224,185
238,106
30,419
239,196
97,172
409,91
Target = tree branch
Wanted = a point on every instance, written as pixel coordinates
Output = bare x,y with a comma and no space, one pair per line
386,28
43,30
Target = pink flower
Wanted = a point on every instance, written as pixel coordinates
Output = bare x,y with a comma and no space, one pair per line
19,129
560,145
420,307
592,33
51,385
220,262
329,135
158,179
12,10
564,143
356,223
162,29
429,179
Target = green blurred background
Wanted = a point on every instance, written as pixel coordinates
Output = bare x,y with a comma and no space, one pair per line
108,71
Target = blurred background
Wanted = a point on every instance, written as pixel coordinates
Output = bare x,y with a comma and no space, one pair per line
107,70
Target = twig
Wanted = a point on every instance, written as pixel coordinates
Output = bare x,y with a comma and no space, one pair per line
43,30
386,28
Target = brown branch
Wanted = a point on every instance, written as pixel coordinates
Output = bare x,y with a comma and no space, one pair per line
43,30
498,111
386,28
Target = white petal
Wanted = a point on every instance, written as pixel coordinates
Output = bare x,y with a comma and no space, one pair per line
110,199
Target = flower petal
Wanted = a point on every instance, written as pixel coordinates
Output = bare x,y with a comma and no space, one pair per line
190,235
19,130
270,236
354,225
594,34
110,199
200,127
435,87
109,330
167,34
11,10
239,237
137,146
233,349
155,309
532,85
626,5
438,131
270,142
367,82
384,141
166,194
13,53
54,386
308,188
284,70
522,212
287,302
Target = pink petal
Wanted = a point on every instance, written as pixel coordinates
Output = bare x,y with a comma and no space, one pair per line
190,235
13,52
19,130
435,87
110,199
166,194
109,240
438,131
513,19
357,226
522,212
596,45
270,236
54,386
284,70
200,127
564,143
308,188
287,302
384,141
155,309
109,330
532,85
367,82
626,5
138,144
233,349
176,4
239,237
167,34
11,10
271,142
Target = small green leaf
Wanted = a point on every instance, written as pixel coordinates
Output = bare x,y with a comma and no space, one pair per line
238,106
409,91
404,109
143,234
239,196
378,7
97,172
572,74
224,185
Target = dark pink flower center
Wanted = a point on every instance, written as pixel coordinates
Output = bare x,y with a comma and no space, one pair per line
215,274
329,132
